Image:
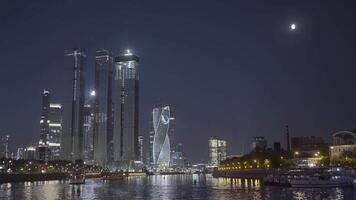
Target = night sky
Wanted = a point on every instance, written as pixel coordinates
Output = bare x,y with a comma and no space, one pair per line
230,69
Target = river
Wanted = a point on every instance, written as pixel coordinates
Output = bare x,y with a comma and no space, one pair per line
167,187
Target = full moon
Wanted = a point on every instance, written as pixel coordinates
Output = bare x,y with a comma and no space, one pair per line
293,26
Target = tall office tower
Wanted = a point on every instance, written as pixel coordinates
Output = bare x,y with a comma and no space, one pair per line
44,127
55,130
103,114
161,142
73,105
217,150
171,131
4,146
88,134
20,154
140,148
44,122
125,100
150,145
177,156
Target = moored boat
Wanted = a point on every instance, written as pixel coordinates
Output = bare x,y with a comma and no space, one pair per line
77,178
322,181
112,176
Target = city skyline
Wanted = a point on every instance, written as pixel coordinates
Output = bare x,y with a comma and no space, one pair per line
229,84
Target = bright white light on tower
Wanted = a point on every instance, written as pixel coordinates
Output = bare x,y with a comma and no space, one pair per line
128,52
93,93
293,26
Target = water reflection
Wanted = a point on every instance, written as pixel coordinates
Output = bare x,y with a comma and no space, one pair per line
166,187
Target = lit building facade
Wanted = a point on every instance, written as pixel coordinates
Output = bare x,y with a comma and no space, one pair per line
55,130
177,157
43,144
161,142
50,129
88,134
30,152
151,135
217,150
4,146
20,153
103,114
44,122
73,105
344,144
259,143
126,110
140,148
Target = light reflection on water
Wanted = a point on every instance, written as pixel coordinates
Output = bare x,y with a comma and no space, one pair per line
167,187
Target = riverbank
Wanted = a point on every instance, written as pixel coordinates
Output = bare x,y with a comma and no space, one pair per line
246,173
10,178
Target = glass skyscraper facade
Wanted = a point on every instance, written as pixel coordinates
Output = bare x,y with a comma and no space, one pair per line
217,150
50,129
44,122
88,134
151,135
55,130
140,148
43,144
4,146
161,141
103,113
73,105
126,109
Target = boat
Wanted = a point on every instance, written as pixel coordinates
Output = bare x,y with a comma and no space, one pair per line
321,181
112,176
276,180
77,178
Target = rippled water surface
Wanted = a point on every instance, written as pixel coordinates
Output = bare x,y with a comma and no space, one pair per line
167,187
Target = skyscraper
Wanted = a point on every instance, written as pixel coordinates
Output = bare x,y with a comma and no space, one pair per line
217,150
140,148
88,134
151,134
126,100
50,129
44,127
44,122
55,130
20,153
161,142
73,105
103,114
4,146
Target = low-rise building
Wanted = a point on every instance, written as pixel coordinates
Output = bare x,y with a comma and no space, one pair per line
344,144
